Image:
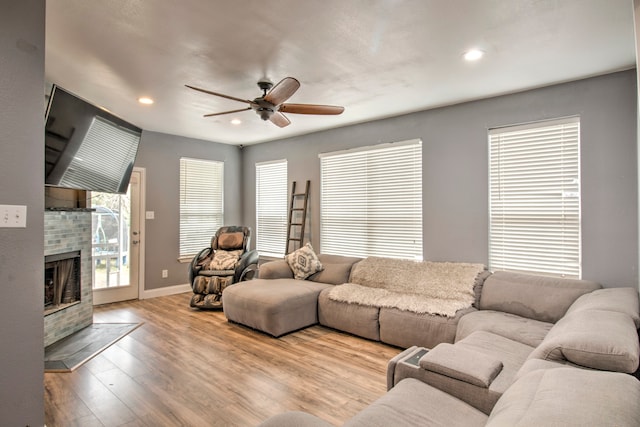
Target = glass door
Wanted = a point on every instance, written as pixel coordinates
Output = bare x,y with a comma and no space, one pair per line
115,244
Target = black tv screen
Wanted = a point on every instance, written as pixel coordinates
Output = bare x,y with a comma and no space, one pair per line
86,147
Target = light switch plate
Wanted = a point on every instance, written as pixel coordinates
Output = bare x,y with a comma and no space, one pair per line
150,215
13,216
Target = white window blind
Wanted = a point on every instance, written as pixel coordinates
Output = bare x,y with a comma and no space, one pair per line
371,201
535,198
201,203
104,157
271,208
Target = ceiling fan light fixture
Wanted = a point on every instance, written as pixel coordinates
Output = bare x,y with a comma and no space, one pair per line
265,113
473,54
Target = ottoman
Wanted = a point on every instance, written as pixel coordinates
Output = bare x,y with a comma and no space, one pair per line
274,306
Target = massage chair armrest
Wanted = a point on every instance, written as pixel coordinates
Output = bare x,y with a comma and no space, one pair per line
248,259
196,263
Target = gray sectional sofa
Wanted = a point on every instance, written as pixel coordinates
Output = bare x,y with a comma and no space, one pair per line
277,304
545,397
530,350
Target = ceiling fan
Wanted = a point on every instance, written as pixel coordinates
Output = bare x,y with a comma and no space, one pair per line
271,104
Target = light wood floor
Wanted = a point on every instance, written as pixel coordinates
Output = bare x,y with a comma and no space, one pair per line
193,368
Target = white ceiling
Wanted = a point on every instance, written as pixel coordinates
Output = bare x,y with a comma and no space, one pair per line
377,58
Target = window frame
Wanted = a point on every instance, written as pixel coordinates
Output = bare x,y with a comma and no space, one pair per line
535,223
371,201
198,225
272,234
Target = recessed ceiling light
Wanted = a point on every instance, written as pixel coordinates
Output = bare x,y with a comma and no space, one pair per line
473,54
236,122
145,100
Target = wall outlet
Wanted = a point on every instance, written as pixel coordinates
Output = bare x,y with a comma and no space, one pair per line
13,216
165,274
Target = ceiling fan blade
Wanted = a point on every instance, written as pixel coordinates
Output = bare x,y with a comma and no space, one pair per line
311,109
282,91
227,112
220,94
279,119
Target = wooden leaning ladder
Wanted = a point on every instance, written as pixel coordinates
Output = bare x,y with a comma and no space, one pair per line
297,204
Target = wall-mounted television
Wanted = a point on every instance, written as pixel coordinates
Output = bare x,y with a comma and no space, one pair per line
86,147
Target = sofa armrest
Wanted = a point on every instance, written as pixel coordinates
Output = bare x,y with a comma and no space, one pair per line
462,364
398,358
278,269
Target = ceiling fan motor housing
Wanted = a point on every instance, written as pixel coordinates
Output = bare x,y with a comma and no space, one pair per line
265,85
264,108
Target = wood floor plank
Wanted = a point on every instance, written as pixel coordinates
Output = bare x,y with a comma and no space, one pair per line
104,405
186,367
63,406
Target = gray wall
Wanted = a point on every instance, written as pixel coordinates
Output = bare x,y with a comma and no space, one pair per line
22,178
160,155
455,169
636,22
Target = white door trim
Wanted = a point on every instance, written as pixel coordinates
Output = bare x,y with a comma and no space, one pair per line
142,215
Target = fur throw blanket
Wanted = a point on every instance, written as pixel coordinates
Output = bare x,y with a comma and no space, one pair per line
421,287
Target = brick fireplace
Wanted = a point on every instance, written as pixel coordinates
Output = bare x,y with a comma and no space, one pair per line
67,234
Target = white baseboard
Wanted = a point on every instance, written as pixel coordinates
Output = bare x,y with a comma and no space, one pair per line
169,290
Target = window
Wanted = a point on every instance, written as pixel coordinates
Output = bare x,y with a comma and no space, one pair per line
271,208
201,207
371,201
534,206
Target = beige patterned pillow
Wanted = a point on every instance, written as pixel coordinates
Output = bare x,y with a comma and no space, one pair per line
225,260
304,262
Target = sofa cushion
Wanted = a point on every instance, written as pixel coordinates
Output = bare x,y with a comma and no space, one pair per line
336,269
360,320
533,296
278,269
569,397
527,331
404,328
413,403
534,364
597,339
623,300
277,306
303,262
462,364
